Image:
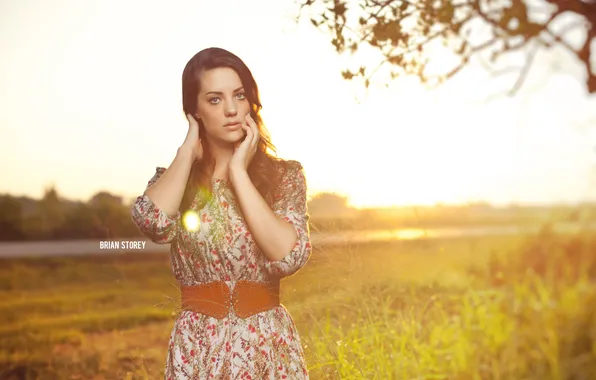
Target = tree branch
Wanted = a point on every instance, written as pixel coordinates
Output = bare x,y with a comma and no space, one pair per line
386,26
524,71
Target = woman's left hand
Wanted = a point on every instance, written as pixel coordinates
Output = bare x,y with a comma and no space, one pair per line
245,150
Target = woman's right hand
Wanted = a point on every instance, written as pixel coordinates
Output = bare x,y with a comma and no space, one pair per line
192,143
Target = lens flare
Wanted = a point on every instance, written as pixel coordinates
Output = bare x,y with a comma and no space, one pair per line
190,221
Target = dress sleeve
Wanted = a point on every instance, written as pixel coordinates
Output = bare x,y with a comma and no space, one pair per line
290,205
153,222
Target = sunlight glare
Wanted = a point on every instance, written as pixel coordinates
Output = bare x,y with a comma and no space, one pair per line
191,221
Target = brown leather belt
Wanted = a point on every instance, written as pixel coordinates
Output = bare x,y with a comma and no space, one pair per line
216,300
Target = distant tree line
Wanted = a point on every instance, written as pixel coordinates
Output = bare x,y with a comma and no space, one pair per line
103,216
55,218
107,216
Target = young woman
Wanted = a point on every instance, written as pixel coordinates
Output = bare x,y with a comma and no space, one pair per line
250,231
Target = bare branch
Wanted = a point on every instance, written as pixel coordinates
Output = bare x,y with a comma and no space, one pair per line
524,72
409,25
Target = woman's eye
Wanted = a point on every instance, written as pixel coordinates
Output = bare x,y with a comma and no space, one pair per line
216,100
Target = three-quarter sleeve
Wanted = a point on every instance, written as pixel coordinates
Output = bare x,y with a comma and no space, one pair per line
291,207
153,222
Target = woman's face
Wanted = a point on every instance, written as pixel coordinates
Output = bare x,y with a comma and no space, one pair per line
222,105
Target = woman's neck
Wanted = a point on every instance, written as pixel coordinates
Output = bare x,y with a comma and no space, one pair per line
222,156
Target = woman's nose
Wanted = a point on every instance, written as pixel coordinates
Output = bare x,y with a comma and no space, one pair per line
231,109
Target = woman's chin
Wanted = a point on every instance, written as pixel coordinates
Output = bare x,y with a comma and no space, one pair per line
234,137
231,137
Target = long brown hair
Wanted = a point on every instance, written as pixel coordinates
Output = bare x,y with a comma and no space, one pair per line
262,169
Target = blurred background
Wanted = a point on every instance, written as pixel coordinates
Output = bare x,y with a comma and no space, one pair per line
450,153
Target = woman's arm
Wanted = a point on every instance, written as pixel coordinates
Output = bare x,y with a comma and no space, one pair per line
274,236
282,232
156,211
168,191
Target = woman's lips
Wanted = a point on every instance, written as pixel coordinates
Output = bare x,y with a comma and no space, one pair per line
232,126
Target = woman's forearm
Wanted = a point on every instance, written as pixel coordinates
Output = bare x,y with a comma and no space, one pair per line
168,191
274,236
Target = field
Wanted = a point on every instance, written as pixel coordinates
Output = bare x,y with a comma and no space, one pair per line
476,308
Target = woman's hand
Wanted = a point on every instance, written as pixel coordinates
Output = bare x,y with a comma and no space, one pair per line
192,143
244,151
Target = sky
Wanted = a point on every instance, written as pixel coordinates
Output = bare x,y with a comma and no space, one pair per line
91,101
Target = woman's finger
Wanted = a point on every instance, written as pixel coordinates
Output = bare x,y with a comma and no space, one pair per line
193,127
254,129
249,134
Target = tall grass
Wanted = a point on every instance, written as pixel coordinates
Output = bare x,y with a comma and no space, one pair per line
529,314
473,308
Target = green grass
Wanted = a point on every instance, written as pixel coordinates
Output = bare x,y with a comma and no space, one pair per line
469,308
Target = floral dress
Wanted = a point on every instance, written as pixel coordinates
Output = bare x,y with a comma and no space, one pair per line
263,346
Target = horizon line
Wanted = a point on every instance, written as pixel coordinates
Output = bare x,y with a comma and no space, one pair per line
438,204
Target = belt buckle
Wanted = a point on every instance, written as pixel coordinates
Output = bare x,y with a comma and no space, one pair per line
234,298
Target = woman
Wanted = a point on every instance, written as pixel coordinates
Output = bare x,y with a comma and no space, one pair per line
252,231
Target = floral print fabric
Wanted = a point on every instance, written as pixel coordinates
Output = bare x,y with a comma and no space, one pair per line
263,346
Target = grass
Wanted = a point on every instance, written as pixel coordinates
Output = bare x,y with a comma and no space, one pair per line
486,307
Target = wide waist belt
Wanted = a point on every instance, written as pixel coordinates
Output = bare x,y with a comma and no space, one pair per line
215,299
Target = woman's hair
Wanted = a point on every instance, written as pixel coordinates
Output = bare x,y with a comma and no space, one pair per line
262,169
